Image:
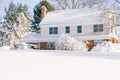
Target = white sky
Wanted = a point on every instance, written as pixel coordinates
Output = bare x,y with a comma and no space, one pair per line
30,3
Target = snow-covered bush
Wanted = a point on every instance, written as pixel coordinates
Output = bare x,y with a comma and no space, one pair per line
18,30
106,46
66,42
5,48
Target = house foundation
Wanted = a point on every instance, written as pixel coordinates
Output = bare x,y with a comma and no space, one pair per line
43,46
90,45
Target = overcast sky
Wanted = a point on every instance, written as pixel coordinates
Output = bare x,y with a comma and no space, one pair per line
30,3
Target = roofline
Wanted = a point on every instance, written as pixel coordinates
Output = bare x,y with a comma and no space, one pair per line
96,37
78,23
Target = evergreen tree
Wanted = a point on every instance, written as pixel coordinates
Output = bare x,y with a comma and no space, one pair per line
37,13
12,12
18,19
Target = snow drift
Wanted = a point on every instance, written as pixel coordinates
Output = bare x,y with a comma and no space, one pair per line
106,46
66,42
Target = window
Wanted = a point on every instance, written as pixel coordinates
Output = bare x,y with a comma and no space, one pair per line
98,28
116,31
67,29
79,29
101,28
50,30
53,30
97,41
95,28
50,45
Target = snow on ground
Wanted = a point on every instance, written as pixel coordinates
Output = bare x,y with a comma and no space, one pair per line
58,65
5,48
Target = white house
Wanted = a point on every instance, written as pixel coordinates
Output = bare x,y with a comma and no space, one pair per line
90,25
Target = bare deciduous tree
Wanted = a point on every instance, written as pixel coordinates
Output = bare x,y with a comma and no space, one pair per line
68,4
0,1
118,1
73,4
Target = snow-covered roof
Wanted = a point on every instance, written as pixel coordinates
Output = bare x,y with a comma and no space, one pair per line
74,16
31,38
36,38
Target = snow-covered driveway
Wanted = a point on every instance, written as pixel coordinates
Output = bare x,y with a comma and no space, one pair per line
59,65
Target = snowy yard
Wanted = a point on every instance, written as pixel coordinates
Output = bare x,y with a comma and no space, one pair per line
58,65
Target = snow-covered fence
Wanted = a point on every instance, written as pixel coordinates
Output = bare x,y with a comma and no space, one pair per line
66,42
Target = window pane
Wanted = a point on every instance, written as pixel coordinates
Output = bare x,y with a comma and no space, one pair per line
67,28
101,28
97,41
95,28
55,30
50,45
79,29
50,30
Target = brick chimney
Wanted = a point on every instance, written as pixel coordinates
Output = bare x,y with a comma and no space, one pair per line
43,12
